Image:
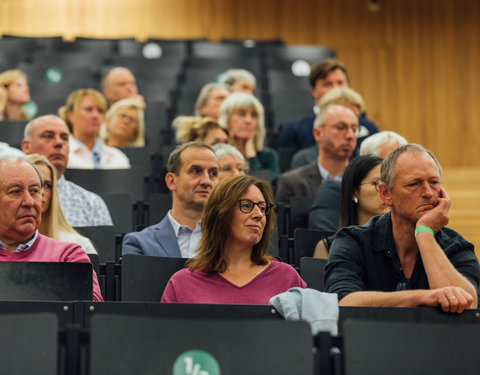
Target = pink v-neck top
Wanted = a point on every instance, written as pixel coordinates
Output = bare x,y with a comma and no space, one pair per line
186,286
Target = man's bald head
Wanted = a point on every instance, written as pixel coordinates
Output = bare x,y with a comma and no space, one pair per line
119,83
48,136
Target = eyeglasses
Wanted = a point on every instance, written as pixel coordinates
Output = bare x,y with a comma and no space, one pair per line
246,206
343,128
374,183
128,119
228,168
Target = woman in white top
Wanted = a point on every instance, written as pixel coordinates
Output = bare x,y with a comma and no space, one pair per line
83,113
124,124
53,222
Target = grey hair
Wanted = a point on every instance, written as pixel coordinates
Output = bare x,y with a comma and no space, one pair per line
239,101
21,160
222,150
27,132
233,75
388,166
373,144
205,93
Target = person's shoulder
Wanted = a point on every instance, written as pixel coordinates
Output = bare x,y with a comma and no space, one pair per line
300,170
451,238
148,231
297,120
281,266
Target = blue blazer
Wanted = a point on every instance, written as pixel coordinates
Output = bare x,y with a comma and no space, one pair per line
156,240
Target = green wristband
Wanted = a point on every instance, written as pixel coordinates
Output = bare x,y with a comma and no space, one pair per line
422,229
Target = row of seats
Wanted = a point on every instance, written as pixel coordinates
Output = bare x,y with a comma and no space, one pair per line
141,278
102,338
173,76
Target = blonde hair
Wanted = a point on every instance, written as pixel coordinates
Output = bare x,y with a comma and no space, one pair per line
6,78
139,140
240,101
342,96
53,219
75,99
193,128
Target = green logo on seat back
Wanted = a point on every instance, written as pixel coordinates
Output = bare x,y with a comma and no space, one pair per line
53,75
196,362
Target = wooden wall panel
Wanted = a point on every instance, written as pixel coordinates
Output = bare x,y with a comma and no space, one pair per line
415,62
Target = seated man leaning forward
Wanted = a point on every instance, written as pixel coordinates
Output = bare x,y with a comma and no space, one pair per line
406,257
21,201
192,174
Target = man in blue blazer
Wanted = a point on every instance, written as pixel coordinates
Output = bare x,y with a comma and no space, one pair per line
324,76
192,174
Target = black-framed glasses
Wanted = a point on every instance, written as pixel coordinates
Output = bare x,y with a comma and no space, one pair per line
246,206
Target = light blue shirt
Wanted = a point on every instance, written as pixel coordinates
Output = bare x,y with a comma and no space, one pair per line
326,176
187,238
23,246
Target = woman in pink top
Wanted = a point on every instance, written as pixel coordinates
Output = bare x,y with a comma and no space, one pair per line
232,265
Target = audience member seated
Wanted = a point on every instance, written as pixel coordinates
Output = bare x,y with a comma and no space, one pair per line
232,265
209,100
21,201
49,136
14,93
324,76
381,144
192,174
83,113
342,96
231,162
335,130
239,80
7,151
199,129
243,116
406,257
119,83
124,125
53,223
357,202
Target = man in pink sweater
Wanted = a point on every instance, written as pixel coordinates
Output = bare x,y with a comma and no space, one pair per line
20,215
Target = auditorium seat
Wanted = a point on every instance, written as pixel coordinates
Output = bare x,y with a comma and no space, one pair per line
144,278
305,242
312,271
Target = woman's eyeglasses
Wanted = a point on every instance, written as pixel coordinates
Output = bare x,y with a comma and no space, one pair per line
128,119
246,206
374,183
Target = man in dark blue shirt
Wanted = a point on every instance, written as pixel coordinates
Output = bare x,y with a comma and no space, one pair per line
406,257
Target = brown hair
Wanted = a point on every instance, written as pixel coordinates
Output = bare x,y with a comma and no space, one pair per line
216,221
174,162
322,68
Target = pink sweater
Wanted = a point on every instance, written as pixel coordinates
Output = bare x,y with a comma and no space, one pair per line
186,286
46,249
